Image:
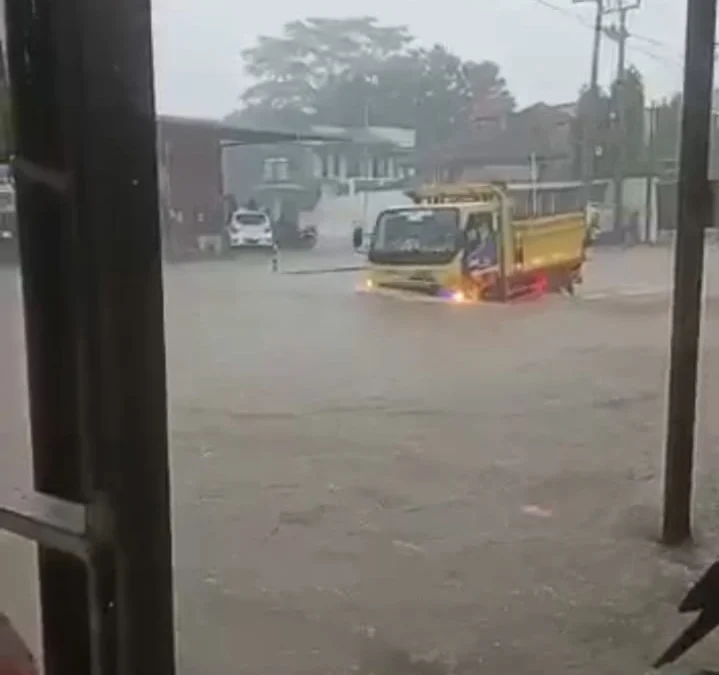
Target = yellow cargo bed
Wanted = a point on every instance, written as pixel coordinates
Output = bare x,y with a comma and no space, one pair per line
547,242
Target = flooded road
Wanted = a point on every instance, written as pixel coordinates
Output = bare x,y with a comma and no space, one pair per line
478,483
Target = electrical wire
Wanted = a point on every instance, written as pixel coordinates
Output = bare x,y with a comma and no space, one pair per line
565,12
665,59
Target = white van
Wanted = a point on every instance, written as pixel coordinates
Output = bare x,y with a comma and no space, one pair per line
250,229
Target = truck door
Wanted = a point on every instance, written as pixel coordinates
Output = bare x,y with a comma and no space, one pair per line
481,244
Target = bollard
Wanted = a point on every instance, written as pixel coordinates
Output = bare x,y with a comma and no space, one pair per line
275,263
15,657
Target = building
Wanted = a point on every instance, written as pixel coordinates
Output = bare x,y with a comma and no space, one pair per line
533,143
367,153
347,160
193,200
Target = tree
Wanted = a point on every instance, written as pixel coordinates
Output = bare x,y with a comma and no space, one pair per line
490,95
426,89
313,54
353,71
591,112
666,133
631,96
605,138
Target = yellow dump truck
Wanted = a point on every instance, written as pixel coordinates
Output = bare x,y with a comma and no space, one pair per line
461,242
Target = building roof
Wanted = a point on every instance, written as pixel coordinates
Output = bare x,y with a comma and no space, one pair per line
230,135
399,137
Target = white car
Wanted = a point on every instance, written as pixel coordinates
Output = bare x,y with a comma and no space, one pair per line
250,229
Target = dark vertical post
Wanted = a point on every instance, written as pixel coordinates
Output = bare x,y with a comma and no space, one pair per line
118,215
46,258
590,133
5,131
694,214
621,122
86,177
651,173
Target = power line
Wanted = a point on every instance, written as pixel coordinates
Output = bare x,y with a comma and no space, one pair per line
651,40
566,12
658,43
665,59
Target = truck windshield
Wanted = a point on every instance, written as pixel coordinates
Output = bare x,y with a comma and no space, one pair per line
414,236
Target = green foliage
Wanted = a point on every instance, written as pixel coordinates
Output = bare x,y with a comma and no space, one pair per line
632,95
291,70
603,111
666,135
353,71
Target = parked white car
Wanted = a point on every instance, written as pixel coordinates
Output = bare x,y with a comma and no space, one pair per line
250,229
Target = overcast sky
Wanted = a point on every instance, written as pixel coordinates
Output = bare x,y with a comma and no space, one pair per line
543,53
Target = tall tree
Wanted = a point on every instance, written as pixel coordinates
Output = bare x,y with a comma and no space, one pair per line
666,134
312,54
605,137
631,96
591,112
355,71
490,97
426,89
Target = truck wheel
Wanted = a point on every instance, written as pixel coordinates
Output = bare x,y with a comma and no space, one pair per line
472,292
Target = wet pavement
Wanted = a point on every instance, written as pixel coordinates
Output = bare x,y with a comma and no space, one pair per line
479,484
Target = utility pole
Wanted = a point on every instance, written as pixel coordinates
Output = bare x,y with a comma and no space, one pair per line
620,34
695,211
367,160
651,174
589,137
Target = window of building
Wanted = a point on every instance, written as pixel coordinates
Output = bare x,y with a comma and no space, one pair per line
276,169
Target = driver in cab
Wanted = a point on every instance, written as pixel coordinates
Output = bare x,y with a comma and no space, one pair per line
481,244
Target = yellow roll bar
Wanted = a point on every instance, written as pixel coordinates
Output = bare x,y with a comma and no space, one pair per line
453,194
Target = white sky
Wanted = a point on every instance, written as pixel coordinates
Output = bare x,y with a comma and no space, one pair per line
543,53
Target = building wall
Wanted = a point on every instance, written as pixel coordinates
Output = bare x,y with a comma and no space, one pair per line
190,183
485,174
335,216
344,162
667,193
551,171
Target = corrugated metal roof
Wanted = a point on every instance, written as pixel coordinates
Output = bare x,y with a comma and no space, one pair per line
396,136
230,135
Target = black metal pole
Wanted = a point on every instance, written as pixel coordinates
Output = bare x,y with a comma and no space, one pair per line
118,216
651,174
590,132
694,214
86,177
46,258
620,141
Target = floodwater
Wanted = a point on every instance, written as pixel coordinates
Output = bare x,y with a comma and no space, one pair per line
476,484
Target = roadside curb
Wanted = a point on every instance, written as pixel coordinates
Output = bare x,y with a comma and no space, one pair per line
627,293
